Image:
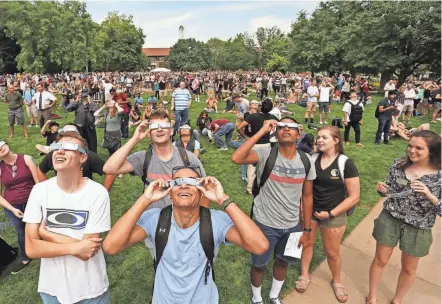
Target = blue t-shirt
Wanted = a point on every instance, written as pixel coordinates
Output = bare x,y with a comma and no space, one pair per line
180,274
139,100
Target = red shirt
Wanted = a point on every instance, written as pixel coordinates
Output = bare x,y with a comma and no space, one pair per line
219,122
17,189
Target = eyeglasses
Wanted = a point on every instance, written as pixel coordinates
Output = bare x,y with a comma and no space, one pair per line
190,181
67,146
197,169
290,125
163,125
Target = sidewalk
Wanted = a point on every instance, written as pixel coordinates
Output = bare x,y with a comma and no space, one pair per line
357,252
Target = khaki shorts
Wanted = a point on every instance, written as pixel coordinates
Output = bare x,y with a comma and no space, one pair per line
407,109
311,106
390,231
336,222
31,110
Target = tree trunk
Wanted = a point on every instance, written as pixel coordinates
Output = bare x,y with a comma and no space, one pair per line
385,77
402,76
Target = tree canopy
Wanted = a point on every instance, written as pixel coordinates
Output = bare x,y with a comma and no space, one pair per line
55,36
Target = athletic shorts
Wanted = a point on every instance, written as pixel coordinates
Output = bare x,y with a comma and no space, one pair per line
277,241
390,231
324,107
16,113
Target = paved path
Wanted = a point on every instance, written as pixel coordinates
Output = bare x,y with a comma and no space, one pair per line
358,251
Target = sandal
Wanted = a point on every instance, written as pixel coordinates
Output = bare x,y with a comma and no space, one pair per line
302,284
369,301
340,292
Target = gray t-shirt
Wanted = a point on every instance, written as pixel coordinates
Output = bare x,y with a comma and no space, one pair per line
277,204
161,169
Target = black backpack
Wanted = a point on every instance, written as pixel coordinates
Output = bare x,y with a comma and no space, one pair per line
337,122
376,112
7,254
268,167
148,157
206,237
356,112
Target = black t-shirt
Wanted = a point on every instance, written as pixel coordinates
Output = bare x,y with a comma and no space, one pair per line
328,187
162,85
389,113
94,164
255,122
50,137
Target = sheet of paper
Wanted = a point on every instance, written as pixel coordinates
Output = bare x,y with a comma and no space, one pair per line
291,248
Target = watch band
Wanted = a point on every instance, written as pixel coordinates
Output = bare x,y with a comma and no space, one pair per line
308,229
226,203
330,215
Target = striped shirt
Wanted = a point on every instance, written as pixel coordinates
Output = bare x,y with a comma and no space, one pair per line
182,98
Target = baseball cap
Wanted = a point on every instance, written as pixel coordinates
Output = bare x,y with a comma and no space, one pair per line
53,123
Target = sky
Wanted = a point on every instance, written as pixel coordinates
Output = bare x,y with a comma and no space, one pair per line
201,20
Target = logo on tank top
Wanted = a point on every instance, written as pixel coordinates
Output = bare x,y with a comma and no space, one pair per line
64,218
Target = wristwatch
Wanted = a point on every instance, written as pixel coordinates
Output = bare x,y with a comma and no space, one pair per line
330,215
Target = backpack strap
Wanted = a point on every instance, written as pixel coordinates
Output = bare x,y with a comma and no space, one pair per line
268,167
342,160
184,156
360,101
207,242
306,162
162,233
147,158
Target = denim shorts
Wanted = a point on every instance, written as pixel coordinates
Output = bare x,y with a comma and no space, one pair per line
102,299
277,241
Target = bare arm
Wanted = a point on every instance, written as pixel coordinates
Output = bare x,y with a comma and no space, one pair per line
353,187
245,233
43,129
32,165
240,128
98,112
307,202
37,248
109,180
119,109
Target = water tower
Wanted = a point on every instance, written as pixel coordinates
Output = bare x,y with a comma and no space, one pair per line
181,32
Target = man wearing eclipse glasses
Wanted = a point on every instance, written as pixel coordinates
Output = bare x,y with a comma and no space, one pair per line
183,267
284,176
158,160
65,217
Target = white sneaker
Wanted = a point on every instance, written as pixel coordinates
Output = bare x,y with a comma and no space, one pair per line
320,122
275,301
326,122
223,149
438,119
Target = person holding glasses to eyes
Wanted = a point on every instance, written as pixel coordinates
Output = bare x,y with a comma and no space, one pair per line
187,279
164,156
277,205
65,217
18,174
413,191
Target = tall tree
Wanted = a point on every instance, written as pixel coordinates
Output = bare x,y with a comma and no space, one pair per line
189,54
120,43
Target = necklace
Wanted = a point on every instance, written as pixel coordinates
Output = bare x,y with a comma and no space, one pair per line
190,218
13,167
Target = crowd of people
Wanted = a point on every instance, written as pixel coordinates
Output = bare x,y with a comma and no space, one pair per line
301,183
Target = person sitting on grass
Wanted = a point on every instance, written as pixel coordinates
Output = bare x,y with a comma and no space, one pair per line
186,279
211,104
152,101
203,121
50,135
187,141
230,105
135,115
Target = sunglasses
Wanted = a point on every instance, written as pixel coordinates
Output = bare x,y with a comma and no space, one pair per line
290,125
163,125
67,146
190,181
68,129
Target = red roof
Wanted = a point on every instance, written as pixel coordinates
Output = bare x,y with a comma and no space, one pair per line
156,51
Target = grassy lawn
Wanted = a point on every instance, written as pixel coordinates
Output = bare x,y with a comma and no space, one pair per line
131,273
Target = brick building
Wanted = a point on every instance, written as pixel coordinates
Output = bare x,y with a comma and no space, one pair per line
156,56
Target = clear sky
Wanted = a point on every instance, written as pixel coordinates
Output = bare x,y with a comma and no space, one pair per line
201,20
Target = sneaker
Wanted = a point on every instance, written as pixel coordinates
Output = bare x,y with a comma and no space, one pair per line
30,126
37,126
386,142
377,143
275,301
19,266
438,119
260,302
325,122
223,149
320,122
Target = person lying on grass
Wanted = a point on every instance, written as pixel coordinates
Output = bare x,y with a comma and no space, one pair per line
182,275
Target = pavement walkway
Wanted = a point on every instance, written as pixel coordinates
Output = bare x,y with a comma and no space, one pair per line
357,251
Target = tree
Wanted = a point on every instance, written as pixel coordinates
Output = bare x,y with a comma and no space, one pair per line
8,52
189,54
270,41
120,43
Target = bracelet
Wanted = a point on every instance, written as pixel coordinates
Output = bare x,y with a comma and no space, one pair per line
226,203
307,229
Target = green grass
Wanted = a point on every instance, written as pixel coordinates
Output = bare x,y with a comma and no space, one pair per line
131,273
